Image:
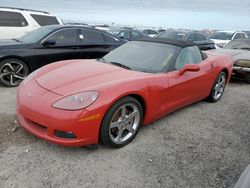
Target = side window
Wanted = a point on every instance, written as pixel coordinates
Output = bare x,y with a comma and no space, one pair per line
135,35
124,35
111,39
152,32
237,36
44,20
12,19
64,37
242,36
200,37
188,55
146,31
191,37
91,37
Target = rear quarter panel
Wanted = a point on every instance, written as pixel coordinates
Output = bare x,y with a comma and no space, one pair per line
221,62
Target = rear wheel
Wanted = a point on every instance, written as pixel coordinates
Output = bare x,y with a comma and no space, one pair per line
121,123
13,72
218,87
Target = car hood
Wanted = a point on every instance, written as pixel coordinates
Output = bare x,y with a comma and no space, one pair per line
220,43
11,44
74,76
236,54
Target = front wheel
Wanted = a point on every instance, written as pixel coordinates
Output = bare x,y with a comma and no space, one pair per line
218,87
13,72
121,123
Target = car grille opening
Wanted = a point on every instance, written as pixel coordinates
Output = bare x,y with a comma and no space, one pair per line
36,125
63,134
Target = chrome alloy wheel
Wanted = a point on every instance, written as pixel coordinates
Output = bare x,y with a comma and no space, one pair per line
124,123
12,73
219,86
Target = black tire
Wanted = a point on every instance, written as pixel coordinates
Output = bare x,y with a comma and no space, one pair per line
212,96
105,136
12,72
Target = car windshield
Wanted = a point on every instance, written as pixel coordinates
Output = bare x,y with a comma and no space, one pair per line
173,35
222,36
36,35
238,44
143,56
114,32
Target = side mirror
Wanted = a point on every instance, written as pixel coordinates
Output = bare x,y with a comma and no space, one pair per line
49,43
189,68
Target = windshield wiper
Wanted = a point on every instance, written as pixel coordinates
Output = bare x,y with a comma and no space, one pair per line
120,65
114,63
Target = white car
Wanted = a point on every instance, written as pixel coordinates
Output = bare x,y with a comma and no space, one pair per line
221,38
16,22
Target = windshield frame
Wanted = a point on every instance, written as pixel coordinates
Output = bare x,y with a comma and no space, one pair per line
166,68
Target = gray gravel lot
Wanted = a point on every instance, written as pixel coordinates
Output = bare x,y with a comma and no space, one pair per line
203,145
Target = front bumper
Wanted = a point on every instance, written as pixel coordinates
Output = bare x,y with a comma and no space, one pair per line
36,115
241,73
244,69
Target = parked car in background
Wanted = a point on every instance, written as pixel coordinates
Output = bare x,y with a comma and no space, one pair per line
16,22
127,27
114,31
198,38
240,51
221,38
150,32
247,34
101,27
19,57
161,30
153,77
130,34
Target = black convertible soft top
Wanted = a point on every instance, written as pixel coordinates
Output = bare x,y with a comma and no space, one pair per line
179,43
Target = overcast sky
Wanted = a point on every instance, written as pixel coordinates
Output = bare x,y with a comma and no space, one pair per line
190,14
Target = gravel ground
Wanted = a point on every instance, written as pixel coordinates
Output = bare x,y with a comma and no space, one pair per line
203,145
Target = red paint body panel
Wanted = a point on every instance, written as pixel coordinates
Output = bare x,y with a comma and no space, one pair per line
162,94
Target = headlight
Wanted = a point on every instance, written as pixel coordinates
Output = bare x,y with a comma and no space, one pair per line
243,63
30,77
77,101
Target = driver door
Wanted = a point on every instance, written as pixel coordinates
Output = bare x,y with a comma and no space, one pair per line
61,45
192,85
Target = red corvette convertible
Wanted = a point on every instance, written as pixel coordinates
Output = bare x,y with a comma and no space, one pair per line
82,102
